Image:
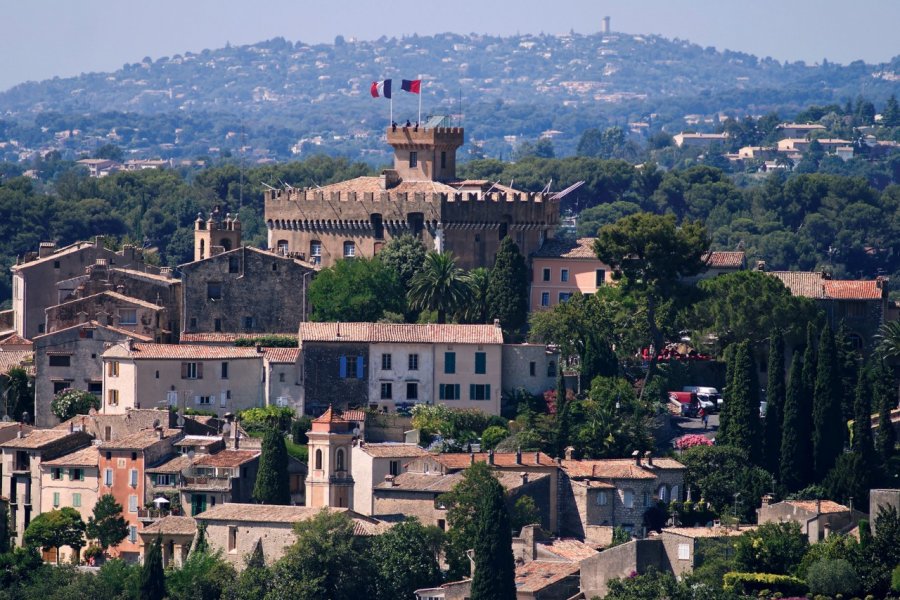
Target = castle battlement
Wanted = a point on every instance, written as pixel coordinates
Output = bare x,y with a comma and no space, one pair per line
274,198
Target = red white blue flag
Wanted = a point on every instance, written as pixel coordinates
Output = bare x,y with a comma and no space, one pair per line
413,86
381,88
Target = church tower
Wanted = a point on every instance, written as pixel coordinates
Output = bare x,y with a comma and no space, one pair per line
216,235
329,482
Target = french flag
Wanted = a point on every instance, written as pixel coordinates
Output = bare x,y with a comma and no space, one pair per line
413,86
381,88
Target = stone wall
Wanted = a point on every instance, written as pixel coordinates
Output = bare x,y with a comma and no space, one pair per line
275,538
619,562
322,381
518,362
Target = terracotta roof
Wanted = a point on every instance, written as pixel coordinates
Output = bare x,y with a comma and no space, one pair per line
422,482
854,290
96,325
174,464
329,416
172,526
825,506
724,260
580,248
11,359
15,340
269,513
226,458
801,283
140,440
198,440
708,532
569,549
186,352
144,275
362,185
393,450
539,574
86,457
115,296
400,333
38,438
282,355
814,284
461,460
230,338
618,468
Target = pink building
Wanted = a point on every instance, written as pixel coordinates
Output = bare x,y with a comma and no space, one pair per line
562,267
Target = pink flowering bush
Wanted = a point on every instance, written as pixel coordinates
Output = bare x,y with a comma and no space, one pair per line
691,440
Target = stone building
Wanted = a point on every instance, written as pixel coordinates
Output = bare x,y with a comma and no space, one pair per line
114,309
817,518
35,278
284,378
71,480
177,535
531,367
421,196
371,463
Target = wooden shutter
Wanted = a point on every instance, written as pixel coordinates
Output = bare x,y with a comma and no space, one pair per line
359,367
343,367
199,370
184,370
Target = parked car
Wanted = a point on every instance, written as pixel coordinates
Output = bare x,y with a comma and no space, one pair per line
688,403
709,397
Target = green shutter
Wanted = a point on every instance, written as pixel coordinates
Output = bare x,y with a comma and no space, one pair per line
480,363
449,362
472,391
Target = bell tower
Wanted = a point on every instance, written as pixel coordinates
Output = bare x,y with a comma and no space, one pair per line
422,154
215,235
329,482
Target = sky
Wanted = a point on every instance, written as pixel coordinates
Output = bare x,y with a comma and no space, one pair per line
48,38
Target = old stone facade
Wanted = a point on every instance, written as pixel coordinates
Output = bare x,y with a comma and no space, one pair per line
114,309
531,367
420,196
818,519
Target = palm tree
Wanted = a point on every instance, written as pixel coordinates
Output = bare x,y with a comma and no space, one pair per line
440,286
889,339
476,310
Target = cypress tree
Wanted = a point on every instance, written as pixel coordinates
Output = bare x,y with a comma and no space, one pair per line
743,426
153,578
4,528
828,424
848,361
863,443
884,399
775,398
272,484
507,294
724,414
562,413
495,570
808,385
796,460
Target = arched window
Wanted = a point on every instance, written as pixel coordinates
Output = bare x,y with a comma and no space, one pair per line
339,460
202,249
349,249
318,459
281,246
226,244
551,369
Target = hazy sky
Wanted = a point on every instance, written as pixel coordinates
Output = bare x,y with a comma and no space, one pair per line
46,38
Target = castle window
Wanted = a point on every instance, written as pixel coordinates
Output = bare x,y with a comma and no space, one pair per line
315,248
318,459
214,290
282,247
413,160
349,249
443,160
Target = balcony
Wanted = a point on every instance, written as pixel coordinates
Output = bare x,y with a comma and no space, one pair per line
206,483
148,515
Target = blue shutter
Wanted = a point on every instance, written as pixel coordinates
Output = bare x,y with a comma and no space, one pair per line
359,367
487,392
343,367
441,391
480,363
471,391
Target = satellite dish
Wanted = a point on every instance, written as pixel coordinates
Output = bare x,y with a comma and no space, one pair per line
191,454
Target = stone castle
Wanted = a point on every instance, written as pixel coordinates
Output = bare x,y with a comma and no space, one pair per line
421,196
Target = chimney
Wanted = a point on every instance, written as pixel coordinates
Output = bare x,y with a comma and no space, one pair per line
637,457
767,500
166,272
496,322
569,451
20,434
524,477
159,432
98,241
471,458
761,265
237,439
648,457
491,457
390,479
259,348
537,457
518,456
818,506
46,249
389,178
129,344
71,427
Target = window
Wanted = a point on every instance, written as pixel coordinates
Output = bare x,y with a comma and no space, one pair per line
448,391
443,160
132,534
386,391
112,368
132,503
214,290
76,474
442,524
163,479
55,473
133,478
601,277
413,160
663,493
281,377
646,499
412,390
191,370
128,317
112,397
76,500
480,363
602,498
55,499
532,368
59,386
55,264
551,369
413,362
133,456
224,370
57,360
628,498
249,322
479,391
564,296
232,538
395,467
234,264
217,325
545,298
96,388
684,552
318,459
546,274
351,367
315,249
449,363
205,400
108,477
349,249
675,493
339,460
385,362
564,275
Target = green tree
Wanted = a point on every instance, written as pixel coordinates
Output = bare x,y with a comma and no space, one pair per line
495,569
272,482
775,400
863,443
55,529
848,362
357,290
743,414
563,414
724,477
653,255
407,559
253,581
524,512
828,428
462,508
203,576
890,116
507,294
771,548
492,436
326,561
68,403
849,480
611,421
476,312
832,577
884,399
20,397
153,578
439,286
796,455
107,525
404,255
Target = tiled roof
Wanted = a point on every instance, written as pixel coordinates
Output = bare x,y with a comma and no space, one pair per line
228,338
569,549
269,513
400,333
461,460
172,526
15,340
11,359
854,290
802,283
814,284
824,506
618,468
708,532
96,325
282,355
115,296
188,352
362,185
174,464
198,440
77,246
393,450
539,574
86,457
581,248
139,440
724,260
38,438
329,416
422,482
226,458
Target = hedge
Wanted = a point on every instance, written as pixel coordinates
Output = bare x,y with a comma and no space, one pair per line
753,583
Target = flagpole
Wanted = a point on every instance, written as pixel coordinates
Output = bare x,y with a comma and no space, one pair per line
420,100
391,99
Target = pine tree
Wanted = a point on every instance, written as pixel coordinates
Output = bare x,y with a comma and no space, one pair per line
494,577
272,484
743,426
153,578
507,295
884,399
107,525
796,460
828,425
775,398
863,443
808,386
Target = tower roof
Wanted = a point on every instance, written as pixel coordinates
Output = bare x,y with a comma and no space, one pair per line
331,421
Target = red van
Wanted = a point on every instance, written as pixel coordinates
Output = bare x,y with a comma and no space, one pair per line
688,401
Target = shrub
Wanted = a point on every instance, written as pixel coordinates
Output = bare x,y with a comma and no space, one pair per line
257,419
895,579
831,577
299,427
267,341
750,584
492,436
68,403
691,440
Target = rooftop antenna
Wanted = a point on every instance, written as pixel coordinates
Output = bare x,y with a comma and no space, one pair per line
267,186
546,189
567,191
